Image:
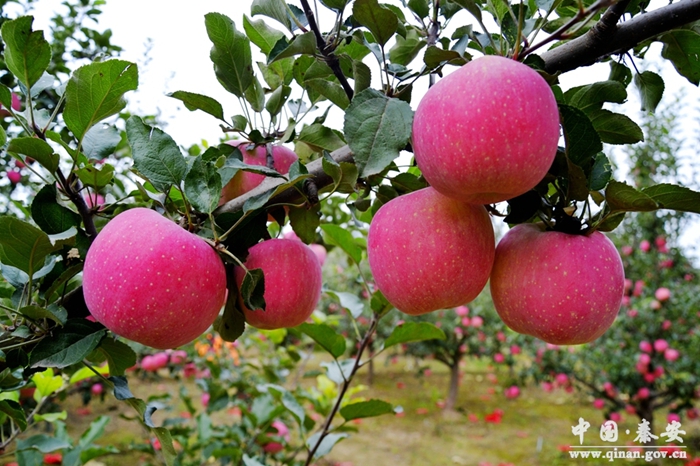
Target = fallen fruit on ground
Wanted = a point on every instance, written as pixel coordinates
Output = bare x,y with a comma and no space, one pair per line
150,281
487,132
292,283
561,288
428,251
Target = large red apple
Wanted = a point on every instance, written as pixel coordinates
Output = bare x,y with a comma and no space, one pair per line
292,283
428,251
488,132
150,281
561,288
243,181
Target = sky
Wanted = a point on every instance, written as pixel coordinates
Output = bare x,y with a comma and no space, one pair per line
168,41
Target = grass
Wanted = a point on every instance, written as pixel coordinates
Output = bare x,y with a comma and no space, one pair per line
531,431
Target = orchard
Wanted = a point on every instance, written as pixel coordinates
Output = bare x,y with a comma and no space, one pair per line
408,181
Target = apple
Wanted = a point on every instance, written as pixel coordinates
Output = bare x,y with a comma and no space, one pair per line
283,432
318,249
662,294
153,362
244,181
671,354
645,346
561,288
599,403
643,393
487,132
150,281
660,345
462,311
645,246
427,251
97,389
292,283
94,201
14,176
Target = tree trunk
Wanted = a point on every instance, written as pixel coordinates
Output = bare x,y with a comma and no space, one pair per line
454,387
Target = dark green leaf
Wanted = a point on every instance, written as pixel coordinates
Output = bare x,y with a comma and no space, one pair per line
413,331
15,412
419,7
623,197
380,21
331,167
593,96
337,5
405,183
320,138
231,324
682,47
255,95
471,7
22,245
120,356
68,345
253,290
674,197
616,128
43,443
611,221
121,388
435,56
96,91
362,76
620,73
651,88
101,141
578,184
203,186
36,313
201,102
156,155
261,34
582,140
231,55
37,149
96,177
330,90
304,222
405,50
274,9
304,44
277,99
364,409
377,128
27,54
326,337
49,215
341,237
601,173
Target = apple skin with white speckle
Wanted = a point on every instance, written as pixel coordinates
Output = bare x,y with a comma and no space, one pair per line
148,280
561,288
293,283
487,132
429,252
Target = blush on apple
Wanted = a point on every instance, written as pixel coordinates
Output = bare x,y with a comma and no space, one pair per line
428,251
150,281
292,283
244,181
561,288
488,132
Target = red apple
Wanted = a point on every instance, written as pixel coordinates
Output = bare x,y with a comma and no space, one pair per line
660,345
428,251
671,354
153,362
561,288
662,294
645,346
318,249
487,132
243,181
14,176
292,283
150,281
283,432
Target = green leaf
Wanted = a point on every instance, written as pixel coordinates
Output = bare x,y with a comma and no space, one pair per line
405,50
651,88
620,73
593,96
353,303
95,431
326,445
682,47
405,183
380,21
255,95
616,128
261,34
341,237
248,461
156,156
46,383
326,337
274,9
364,409
601,173
120,356
320,138
377,128
623,197
471,7
288,401
15,412
674,197
36,313
201,102
379,304
330,90
231,55
27,54
43,443
203,186
96,91
277,99
304,222
96,177
37,149
331,167
413,331
253,290
231,324
419,7
435,56
69,345
49,215
86,372
303,44
22,245
101,141
582,140
278,73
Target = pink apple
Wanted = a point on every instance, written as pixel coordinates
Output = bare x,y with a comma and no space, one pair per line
599,403
627,250
660,241
560,288
500,336
644,358
466,321
499,358
151,281
94,200
615,416
243,181
14,176
547,386
429,252
512,392
629,409
487,132
643,393
645,246
178,357
205,399
462,311
649,377
320,252
292,283
645,346
638,287
515,349
655,305
97,389
283,432
561,379
154,362
671,354
666,324
662,294
632,313
673,417
477,321
660,345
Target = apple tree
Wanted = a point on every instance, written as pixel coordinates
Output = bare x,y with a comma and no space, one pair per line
511,144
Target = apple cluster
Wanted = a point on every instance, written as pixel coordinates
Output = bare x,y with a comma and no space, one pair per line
153,282
487,133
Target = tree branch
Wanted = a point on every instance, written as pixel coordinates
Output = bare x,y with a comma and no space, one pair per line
604,40
329,56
